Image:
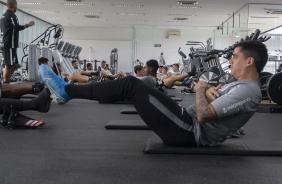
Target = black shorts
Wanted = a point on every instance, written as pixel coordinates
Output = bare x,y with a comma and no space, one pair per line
10,56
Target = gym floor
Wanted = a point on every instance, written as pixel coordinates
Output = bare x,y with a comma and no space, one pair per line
74,147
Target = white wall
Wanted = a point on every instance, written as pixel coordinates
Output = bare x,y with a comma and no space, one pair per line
102,51
134,43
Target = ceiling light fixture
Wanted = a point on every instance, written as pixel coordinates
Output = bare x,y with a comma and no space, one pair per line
134,20
131,14
38,11
29,3
88,13
257,23
178,21
188,2
73,0
182,15
192,7
258,17
56,18
78,4
96,19
128,5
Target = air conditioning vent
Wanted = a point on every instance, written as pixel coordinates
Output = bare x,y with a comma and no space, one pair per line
73,0
180,19
274,12
92,16
174,33
188,2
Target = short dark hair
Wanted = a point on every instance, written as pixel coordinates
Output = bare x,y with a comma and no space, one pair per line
153,64
176,64
88,65
11,3
103,61
137,68
165,67
42,60
256,50
73,61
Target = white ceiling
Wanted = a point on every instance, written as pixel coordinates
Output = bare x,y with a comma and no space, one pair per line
211,14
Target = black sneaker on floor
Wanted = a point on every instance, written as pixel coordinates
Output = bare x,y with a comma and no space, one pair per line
5,116
17,120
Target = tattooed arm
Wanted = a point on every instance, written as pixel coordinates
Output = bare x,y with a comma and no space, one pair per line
204,110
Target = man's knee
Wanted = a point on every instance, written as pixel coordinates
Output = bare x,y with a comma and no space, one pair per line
16,66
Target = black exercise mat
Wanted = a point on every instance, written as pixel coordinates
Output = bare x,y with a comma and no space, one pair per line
127,124
269,108
229,147
177,99
129,102
129,111
170,95
118,102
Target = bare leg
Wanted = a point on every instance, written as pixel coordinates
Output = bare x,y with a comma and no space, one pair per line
16,90
79,78
169,82
8,71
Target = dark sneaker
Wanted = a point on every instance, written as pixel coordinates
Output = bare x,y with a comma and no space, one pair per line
54,83
12,118
22,121
5,116
17,120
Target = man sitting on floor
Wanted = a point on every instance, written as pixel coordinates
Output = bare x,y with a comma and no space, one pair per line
139,71
77,75
218,112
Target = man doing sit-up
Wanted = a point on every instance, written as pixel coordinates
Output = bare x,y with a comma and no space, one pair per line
218,112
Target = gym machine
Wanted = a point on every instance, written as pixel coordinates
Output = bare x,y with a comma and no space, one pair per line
114,60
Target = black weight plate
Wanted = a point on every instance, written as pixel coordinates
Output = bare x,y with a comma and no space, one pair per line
263,78
274,88
226,78
209,77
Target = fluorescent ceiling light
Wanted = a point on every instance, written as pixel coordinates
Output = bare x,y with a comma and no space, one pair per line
178,21
56,18
38,11
258,23
134,20
186,7
182,15
78,4
128,5
131,14
96,19
88,13
258,17
29,3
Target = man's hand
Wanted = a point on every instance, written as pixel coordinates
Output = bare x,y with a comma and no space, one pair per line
212,93
199,85
31,23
